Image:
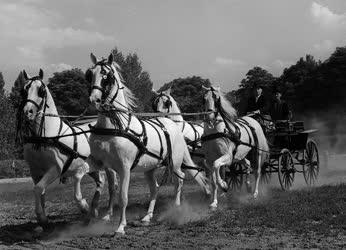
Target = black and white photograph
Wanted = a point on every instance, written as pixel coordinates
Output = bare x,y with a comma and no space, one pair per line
151,124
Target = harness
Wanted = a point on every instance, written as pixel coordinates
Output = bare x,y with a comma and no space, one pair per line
120,130
168,104
140,140
233,136
54,140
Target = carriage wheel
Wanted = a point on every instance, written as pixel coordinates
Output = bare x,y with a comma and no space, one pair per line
312,163
234,176
286,169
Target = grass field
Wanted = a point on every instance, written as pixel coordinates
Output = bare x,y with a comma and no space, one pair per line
301,218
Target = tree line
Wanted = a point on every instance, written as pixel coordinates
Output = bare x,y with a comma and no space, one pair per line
309,86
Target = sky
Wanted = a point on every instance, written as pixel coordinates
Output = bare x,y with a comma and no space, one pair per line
215,39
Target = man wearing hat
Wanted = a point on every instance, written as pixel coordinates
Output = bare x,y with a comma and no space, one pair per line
257,103
279,109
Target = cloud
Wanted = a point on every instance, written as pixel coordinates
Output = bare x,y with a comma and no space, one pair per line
281,64
28,30
327,18
52,68
229,62
89,20
58,67
325,46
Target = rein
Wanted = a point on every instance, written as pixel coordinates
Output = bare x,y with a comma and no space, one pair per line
228,133
52,141
140,140
139,114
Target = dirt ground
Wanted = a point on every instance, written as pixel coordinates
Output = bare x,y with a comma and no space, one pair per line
300,218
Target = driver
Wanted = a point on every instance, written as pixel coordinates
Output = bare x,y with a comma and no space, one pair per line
257,103
258,108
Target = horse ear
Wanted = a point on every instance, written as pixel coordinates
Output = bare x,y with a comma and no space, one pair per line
40,74
217,88
110,58
93,58
26,77
154,91
205,88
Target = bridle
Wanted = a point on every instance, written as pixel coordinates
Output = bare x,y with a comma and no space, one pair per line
41,107
108,79
42,93
167,104
217,105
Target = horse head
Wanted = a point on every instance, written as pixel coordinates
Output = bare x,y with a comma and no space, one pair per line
34,95
163,102
105,81
211,100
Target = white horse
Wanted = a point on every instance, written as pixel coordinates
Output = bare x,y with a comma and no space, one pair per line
124,142
227,140
165,103
55,149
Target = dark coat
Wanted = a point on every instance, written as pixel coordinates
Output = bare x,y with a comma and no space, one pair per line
260,105
279,110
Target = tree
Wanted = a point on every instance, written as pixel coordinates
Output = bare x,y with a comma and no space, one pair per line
8,149
2,84
255,76
135,78
70,91
15,95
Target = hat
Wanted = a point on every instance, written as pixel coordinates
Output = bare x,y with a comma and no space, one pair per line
276,89
258,86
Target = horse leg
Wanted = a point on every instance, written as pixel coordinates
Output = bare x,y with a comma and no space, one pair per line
258,176
179,186
39,191
153,186
214,185
112,183
82,203
123,198
100,181
223,160
247,164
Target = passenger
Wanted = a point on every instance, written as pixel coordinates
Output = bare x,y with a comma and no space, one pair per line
279,109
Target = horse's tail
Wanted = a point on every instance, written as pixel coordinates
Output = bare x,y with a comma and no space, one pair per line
195,171
263,147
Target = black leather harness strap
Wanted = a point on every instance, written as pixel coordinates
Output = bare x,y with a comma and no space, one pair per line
140,143
73,155
54,142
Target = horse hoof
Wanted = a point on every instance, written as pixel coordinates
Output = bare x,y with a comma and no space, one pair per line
106,218
213,208
38,230
145,223
119,232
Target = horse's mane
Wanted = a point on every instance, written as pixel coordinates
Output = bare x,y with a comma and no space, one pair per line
130,97
174,101
227,107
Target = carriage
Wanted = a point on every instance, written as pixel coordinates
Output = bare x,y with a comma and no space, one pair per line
291,152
